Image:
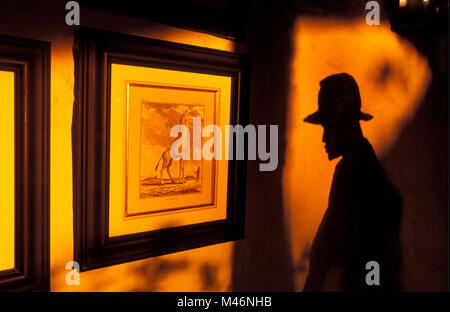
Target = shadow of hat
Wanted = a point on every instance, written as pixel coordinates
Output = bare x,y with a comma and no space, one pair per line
338,86
316,118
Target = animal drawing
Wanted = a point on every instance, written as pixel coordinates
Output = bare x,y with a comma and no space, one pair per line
166,158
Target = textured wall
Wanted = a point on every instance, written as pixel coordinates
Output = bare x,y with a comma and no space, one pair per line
403,84
273,254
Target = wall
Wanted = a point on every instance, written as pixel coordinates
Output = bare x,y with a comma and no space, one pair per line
392,77
296,44
273,255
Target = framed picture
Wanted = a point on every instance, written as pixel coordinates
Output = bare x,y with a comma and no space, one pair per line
24,191
136,100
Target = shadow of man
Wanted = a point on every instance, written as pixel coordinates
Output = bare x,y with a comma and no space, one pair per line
363,217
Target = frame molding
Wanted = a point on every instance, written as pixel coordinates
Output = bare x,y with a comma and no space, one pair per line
30,60
93,52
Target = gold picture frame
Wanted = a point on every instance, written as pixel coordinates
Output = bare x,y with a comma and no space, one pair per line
163,95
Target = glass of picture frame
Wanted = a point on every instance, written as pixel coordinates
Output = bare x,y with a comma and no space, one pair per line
132,199
7,213
149,189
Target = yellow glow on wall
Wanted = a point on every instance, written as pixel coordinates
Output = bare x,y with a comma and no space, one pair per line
392,77
7,203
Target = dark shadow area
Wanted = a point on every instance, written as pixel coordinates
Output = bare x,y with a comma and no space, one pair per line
301,267
209,274
361,224
262,261
418,166
155,271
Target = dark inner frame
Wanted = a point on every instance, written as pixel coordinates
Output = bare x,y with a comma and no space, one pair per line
30,61
94,51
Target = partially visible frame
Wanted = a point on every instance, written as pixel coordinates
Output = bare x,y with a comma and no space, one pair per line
30,61
94,53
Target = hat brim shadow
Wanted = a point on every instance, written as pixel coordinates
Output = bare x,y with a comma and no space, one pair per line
316,119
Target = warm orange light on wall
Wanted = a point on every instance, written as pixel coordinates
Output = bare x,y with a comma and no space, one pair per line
392,77
7,203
